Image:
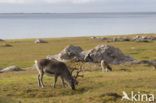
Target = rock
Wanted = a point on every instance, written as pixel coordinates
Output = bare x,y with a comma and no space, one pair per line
116,39
40,41
70,52
93,37
120,39
101,52
110,40
152,37
126,39
1,40
6,45
99,38
11,68
141,39
147,62
106,52
137,37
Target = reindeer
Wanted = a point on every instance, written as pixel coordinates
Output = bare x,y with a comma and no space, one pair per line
55,68
105,66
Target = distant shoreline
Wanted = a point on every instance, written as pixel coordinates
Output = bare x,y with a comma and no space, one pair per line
85,13
126,35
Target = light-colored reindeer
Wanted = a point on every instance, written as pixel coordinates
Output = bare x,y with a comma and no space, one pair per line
55,68
105,66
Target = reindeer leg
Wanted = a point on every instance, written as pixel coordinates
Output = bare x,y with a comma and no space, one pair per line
155,67
39,83
102,70
62,80
106,69
41,80
55,80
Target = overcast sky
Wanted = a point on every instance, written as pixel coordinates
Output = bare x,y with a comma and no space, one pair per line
66,6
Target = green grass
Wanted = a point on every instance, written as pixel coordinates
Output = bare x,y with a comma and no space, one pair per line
95,87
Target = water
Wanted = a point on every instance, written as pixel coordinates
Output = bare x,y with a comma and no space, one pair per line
15,26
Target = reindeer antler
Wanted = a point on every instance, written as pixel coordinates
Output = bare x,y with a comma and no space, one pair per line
77,73
73,69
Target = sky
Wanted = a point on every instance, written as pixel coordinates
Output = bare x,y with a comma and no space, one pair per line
76,6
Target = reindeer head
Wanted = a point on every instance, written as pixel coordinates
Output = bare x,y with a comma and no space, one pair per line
76,75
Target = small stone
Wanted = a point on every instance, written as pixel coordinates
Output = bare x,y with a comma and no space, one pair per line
11,68
1,40
6,45
40,41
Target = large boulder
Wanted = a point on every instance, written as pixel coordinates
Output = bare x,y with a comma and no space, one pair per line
106,52
70,52
11,68
101,52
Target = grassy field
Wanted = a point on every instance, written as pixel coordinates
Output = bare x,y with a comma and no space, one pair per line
95,87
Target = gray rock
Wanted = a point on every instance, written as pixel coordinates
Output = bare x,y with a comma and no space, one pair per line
1,40
106,52
99,38
101,52
141,39
152,37
11,68
147,62
117,39
93,37
6,45
40,41
70,52
122,39
137,37
126,39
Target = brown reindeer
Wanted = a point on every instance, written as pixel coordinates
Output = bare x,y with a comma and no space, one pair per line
55,68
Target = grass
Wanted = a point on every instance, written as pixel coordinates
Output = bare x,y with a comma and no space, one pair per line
95,87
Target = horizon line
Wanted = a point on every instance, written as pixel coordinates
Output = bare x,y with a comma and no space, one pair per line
73,12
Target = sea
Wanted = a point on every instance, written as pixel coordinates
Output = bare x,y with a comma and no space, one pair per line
54,25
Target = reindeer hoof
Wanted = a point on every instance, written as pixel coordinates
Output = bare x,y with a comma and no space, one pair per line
43,86
53,87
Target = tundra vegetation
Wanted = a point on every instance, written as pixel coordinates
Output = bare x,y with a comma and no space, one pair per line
95,87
